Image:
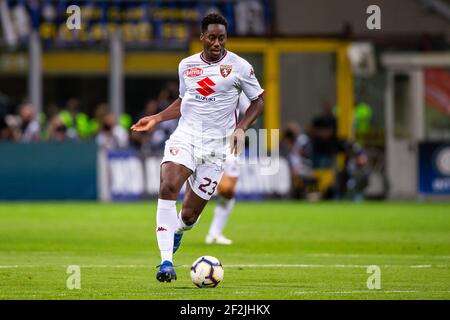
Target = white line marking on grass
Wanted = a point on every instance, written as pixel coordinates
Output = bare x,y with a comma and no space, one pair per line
422,266
359,291
311,266
352,255
295,266
13,267
117,266
368,291
419,266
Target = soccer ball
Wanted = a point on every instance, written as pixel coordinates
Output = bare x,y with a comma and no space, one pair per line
206,271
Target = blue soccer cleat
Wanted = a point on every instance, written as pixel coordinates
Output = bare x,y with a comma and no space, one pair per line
166,272
177,241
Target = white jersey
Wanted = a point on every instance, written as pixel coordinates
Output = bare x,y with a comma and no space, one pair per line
243,104
210,94
232,168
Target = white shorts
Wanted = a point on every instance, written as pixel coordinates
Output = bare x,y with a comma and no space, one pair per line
232,168
207,167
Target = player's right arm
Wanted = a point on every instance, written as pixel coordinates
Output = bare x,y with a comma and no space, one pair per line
171,112
149,122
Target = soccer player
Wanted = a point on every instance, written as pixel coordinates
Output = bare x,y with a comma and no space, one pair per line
226,190
210,83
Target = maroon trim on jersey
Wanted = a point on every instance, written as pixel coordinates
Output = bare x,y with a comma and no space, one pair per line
235,111
260,95
211,62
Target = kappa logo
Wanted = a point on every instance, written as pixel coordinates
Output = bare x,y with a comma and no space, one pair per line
205,85
193,72
174,151
225,70
161,229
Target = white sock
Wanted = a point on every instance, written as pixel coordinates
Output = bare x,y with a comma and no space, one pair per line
221,215
181,226
166,221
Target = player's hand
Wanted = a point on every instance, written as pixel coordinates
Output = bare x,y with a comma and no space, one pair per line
237,141
145,123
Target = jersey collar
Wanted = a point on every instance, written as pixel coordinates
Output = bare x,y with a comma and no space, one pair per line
212,62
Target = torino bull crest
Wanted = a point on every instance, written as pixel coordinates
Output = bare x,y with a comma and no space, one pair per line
225,70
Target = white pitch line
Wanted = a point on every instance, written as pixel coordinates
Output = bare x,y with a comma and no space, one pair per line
419,266
352,255
294,266
312,266
356,291
368,291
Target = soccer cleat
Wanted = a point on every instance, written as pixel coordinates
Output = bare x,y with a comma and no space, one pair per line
220,239
177,241
166,272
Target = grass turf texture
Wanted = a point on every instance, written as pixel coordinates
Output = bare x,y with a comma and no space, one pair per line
322,250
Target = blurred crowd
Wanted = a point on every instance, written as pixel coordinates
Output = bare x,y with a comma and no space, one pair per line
313,156
63,124
21,124
152,143
322,165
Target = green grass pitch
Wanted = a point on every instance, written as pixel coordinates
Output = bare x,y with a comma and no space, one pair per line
282,250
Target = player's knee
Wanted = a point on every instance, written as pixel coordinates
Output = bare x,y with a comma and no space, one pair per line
227,187
168,190
226,191
190,216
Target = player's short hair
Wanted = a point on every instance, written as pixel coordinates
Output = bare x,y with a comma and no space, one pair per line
213,18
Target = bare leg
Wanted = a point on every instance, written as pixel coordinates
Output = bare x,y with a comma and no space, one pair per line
227,187
172,178
193,206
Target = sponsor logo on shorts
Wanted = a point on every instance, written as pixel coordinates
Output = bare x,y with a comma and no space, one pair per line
161,229
174,151
193,72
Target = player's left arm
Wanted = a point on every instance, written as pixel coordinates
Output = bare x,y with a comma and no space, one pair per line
251,88
251,115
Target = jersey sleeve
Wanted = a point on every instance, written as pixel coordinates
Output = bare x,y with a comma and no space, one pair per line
248,81
243,103
182,84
